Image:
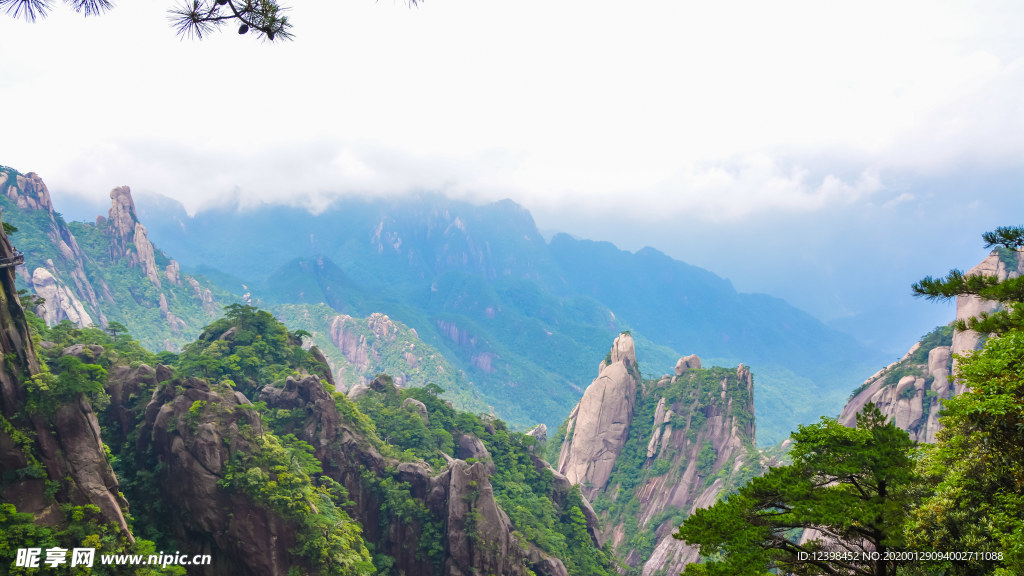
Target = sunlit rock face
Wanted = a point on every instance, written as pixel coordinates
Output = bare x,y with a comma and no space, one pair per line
910,391
599,425
687,437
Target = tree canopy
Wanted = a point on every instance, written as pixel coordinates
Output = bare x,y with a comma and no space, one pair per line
976,469
977,466
955,508
848,492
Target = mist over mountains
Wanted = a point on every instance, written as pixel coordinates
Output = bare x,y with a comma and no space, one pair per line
522,317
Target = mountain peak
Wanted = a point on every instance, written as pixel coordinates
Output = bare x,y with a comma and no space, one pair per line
623,350
28,192
122,211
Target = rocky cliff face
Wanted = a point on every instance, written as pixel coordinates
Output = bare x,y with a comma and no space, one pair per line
194,448
58,442
65,295
191,432
129,239
910,390
477,535
93,274
648,454
358,349
711,456
599,425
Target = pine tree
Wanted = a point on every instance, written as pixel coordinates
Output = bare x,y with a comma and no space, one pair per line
1009,292
847,492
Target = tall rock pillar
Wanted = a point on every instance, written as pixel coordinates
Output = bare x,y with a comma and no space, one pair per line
599,424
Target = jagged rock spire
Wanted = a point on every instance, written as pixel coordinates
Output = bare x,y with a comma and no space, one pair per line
599,424
127,231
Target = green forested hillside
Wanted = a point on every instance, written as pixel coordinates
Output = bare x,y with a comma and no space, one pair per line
91,273
358,349
327,478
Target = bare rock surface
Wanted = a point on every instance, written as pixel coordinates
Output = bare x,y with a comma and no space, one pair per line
59,303
599,424
703,430
540,432
126,232
972,306
29,192
194,448
687,363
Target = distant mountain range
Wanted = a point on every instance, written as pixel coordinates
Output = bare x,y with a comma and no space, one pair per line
479,301
521,317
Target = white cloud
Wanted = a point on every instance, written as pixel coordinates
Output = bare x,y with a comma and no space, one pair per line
732,109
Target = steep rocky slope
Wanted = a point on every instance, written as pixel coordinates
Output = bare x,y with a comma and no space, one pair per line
51,450
910,390
650,452
103,272
358,349
598,426
1002,264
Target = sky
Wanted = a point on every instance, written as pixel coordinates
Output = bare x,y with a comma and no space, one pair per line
826,153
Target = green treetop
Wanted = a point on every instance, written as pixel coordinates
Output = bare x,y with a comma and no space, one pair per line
847,493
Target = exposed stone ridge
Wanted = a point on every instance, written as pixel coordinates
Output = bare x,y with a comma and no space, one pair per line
203,294
478,535
687,363
126,230
121,215
193,449
352,345
365,343
70,292
67,444
907,401
732,442
598,426
971,306
28,192
703,430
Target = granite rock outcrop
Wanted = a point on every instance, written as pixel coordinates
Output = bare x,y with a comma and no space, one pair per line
110,272
478,534
910,390
690,433
598,426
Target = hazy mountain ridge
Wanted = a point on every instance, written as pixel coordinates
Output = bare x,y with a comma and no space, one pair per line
516,313
358,349
517,316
